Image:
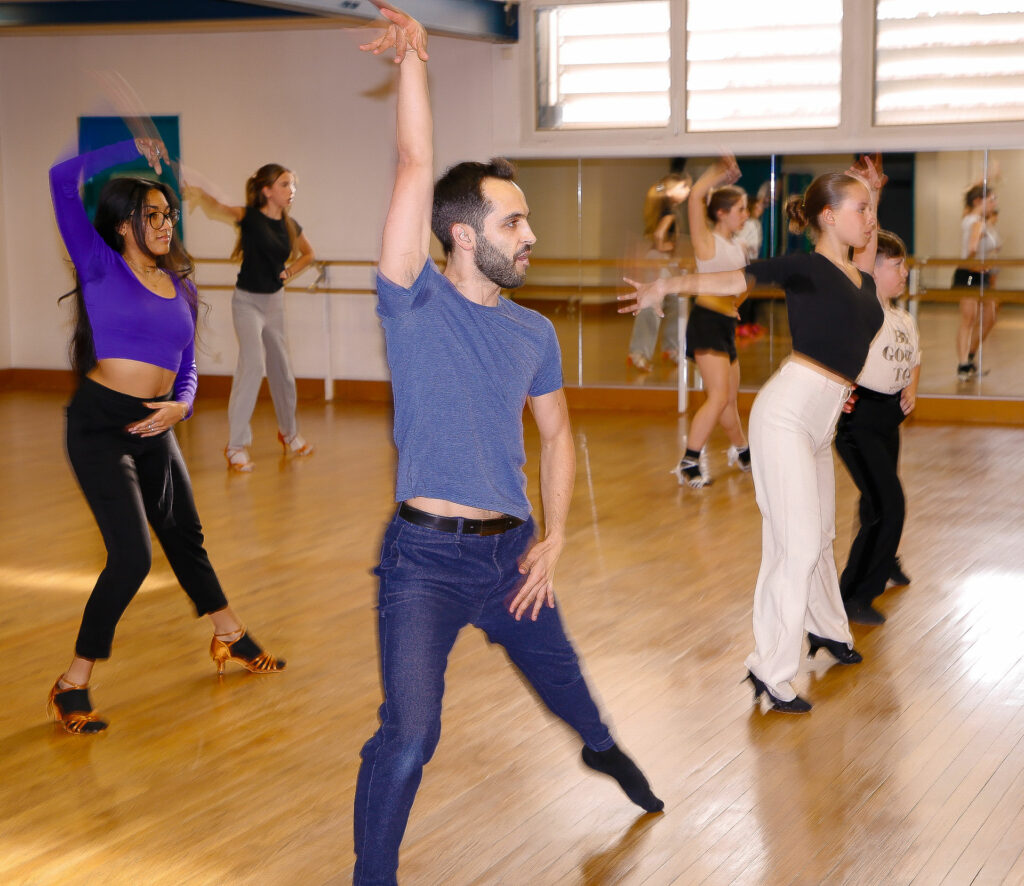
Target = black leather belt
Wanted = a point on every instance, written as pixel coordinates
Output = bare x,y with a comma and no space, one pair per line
494,526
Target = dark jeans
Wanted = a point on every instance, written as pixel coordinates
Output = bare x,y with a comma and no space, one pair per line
432,584
868,442
128,481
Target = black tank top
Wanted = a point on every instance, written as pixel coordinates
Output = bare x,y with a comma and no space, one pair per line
265,249
832,321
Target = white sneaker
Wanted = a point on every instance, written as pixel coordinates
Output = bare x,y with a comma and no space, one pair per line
739,457
693,472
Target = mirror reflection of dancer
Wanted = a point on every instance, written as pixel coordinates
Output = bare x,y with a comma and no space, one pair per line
833,315
133,349
660,229
868,439
979,240
718,211
460,546
267,238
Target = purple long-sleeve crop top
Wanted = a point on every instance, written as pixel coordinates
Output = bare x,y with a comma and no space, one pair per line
128,320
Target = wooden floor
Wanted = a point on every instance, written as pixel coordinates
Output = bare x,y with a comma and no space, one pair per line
909,770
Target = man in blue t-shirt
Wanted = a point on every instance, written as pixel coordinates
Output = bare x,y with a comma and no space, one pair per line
460,549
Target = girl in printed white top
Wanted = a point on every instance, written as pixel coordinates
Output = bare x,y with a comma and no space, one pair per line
868,439
979,241
717,212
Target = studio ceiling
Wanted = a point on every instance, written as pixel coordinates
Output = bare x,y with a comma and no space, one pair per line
478,19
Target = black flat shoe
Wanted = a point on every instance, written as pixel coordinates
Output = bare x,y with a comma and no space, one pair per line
840,651
796,705
897,577
864,614
619,766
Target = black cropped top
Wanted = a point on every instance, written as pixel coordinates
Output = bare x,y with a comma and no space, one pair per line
832,321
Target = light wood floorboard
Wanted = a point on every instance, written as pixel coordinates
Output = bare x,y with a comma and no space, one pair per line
910,770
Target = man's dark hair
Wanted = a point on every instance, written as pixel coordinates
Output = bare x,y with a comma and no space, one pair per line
458,197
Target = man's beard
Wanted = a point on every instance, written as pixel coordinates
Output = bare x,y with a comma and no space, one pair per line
497,267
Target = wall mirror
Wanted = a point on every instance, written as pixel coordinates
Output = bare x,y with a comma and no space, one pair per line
589,218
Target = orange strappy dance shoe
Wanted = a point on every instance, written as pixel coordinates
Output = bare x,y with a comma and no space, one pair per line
239,459
72,709
245,651
295,445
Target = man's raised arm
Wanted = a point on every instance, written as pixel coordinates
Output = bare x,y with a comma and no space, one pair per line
406,240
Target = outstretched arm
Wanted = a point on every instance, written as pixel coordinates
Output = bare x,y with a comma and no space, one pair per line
406,240
197,196
651,295
723,171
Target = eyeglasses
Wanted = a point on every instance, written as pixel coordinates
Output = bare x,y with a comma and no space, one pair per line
157,219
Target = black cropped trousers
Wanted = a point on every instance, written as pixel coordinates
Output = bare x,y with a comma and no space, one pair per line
130,481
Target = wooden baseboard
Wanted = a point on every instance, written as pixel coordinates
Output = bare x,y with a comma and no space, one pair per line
63,381
59,380
948,410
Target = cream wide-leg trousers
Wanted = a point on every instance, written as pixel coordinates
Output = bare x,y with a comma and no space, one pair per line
792,423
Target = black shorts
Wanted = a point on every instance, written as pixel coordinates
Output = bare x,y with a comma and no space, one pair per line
972,279
707,330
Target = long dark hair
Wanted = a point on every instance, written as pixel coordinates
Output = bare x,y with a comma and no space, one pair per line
122,201
262,178
657,203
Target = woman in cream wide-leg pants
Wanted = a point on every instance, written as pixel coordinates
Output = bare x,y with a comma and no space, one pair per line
792,423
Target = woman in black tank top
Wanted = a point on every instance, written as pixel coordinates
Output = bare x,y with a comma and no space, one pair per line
268,237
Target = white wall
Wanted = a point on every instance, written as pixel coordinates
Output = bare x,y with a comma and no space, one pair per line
305,98
6,327
309,99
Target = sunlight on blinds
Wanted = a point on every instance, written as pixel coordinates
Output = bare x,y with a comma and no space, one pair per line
938,61
603,65
764,65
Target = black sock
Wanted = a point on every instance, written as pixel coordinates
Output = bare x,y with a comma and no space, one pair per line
615,763
693,454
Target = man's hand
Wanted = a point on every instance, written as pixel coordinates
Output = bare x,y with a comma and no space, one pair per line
539,568
404,33
908,400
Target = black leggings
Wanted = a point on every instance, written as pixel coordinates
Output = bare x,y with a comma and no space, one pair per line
129,480
868,442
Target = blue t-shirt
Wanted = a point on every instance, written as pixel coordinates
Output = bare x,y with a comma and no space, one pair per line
461,373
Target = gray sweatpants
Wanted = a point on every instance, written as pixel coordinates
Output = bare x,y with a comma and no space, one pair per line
259,326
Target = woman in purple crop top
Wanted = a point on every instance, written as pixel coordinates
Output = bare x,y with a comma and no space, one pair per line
834,314
268,239
133,350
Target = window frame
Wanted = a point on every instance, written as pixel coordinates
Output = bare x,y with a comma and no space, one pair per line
514,73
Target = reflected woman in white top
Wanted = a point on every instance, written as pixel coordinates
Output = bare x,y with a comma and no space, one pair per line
979,242
717,212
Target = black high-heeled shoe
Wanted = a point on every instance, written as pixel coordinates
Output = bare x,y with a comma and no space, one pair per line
70,706
245,651
796,705
840,651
